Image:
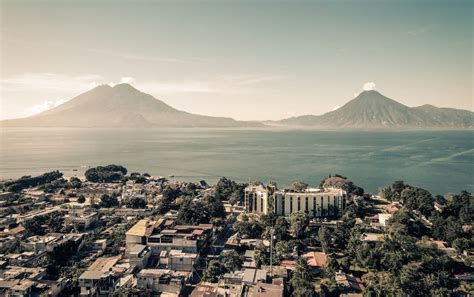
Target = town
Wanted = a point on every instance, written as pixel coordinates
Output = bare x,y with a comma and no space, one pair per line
115,233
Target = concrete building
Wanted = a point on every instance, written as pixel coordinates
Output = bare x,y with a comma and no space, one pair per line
316,202
162,280
257,199
178,260
160,237
98,279
138,255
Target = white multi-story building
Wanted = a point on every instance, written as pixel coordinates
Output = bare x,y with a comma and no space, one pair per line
256,199
315,202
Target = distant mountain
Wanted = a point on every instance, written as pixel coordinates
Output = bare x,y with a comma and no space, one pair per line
120,106
372,110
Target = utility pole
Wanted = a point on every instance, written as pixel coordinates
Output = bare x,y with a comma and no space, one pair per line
272,232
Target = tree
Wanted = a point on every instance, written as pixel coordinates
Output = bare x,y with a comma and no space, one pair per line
81,199
135,202
282,229
284,248
105,174
418,199
462,244
108,201
193,213
299,221
234,198
299,186
214,206
324,237
213,272
232,261
301,280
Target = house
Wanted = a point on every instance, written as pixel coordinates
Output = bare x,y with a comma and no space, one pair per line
162,280
252,276
160,236
179,260
261,289
347,283
98,279
316,260
138,255
81,221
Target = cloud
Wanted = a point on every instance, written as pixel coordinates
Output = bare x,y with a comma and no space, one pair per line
41,107
369,86
123,80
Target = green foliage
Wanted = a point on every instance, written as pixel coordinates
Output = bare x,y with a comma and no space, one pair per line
301,280
248,229
81,199
418,199
214,270
108,201
299,222
226,189
29,181
40,225
105,174
299,186
232,261
192,213
135,202
324,238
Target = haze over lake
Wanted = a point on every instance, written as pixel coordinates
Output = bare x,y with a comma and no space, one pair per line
440,161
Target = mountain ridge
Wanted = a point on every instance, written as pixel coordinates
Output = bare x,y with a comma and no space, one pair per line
372,110
121,106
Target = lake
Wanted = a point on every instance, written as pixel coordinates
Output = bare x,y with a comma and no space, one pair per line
440,161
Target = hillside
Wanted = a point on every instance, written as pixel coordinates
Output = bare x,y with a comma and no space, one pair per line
372,110
120,106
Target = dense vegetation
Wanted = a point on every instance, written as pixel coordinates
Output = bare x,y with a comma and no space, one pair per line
31,181
105,174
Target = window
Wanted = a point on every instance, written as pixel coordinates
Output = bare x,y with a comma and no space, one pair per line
306,208
291,204
314,206
299,203
282,205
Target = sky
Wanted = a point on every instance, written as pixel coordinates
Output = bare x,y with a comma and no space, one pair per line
250,60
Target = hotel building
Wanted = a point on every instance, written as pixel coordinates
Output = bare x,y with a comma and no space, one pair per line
315,202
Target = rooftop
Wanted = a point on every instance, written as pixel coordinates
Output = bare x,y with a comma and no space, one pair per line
141,228
104,264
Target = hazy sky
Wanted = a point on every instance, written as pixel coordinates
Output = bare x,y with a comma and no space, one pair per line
243,59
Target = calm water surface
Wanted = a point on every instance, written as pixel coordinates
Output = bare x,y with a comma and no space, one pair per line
441,161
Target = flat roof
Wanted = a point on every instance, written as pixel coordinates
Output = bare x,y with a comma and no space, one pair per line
141,228
104,263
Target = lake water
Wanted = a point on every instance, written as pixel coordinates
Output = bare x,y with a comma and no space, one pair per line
440,161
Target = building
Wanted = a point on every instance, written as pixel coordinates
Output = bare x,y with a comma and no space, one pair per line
138,255
161,236
261,289
162,280
257,199
179,260
315,202
99,279
316,260
328,202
